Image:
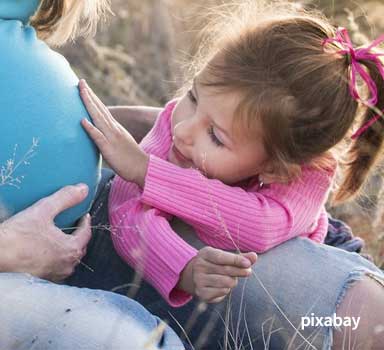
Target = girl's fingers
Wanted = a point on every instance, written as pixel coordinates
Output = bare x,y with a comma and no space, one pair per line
99,105
226,270
220,257
209,293
97,114
219,281
217,300
251,256
96,135
85,87
99,118
92,108
88,99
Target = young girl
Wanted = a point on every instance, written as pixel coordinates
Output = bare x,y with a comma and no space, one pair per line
247,155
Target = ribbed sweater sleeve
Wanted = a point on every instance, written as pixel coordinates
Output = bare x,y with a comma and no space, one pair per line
320,229
227,217
231,217
142,235
144,239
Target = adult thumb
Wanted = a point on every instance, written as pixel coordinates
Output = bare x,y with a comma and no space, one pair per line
65,198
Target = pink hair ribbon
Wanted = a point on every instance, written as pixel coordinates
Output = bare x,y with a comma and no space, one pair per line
356,55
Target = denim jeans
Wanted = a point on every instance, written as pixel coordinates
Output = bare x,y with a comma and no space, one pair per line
36,314
289,282
294,280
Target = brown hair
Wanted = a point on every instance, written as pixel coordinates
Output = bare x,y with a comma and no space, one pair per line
57,21
300,92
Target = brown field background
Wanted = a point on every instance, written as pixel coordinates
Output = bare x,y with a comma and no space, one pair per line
136,56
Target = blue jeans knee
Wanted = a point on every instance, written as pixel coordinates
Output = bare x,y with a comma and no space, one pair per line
38,314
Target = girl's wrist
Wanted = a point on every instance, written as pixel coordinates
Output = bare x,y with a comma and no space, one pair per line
141,167
186,279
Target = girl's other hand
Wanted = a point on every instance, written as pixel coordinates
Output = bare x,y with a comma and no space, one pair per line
116,144
212,273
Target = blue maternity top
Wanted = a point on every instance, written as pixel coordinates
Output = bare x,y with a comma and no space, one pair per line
42,145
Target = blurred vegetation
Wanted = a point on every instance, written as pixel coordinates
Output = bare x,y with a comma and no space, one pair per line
136,59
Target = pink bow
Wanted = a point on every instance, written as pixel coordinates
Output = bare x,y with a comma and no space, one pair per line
356,55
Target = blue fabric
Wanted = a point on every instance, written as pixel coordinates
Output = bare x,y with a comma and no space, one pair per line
36,314
18,9
300,277
43,146
340,235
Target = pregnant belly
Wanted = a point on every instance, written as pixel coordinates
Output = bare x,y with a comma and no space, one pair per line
42,145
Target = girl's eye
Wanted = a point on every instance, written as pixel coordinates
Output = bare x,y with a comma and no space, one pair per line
191,97
213,137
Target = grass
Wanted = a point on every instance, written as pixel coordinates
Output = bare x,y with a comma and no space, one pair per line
135,61
8,171
138,58
235,337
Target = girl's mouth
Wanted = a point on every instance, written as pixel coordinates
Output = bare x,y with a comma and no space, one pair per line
179,155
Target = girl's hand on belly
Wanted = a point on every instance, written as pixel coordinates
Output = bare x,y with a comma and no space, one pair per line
116,144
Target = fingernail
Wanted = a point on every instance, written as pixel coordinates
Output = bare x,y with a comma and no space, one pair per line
83,187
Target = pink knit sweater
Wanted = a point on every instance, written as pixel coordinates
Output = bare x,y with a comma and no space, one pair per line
223,216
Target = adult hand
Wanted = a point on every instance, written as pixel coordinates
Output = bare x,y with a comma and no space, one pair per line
31,243
213,273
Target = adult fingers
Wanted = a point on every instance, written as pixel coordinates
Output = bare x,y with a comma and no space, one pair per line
83,233
220,257
65,198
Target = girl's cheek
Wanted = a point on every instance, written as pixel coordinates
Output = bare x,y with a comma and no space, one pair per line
201,162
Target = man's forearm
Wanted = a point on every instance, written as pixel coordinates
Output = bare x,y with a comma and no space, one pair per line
138,120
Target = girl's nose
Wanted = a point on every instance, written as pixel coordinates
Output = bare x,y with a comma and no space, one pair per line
183,132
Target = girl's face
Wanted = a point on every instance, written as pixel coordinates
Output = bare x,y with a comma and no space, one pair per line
201,127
